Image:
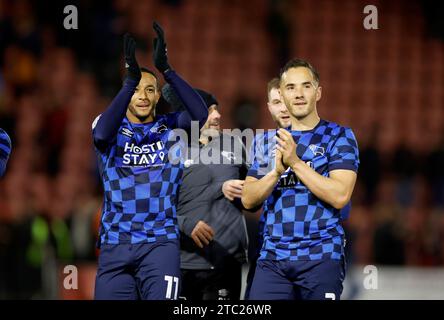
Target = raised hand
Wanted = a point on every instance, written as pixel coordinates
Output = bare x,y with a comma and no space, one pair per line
280,167
287,146
131,65
160,57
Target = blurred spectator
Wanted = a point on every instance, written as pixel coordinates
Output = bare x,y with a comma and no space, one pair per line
370,170
245,114
388,246
279,28
434,171
433,13
405,166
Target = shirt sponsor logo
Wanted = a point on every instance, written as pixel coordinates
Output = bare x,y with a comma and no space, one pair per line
288,180
147,155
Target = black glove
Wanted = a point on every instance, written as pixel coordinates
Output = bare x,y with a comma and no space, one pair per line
159,49
131,65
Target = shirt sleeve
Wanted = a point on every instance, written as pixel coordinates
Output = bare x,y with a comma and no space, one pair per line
5,150
260,164
245,162
187,222
196,110
344,153
106,126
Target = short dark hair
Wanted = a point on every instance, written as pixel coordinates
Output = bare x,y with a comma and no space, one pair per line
296,63
273,84
146,70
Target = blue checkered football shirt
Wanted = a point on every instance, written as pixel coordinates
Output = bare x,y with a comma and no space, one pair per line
5,150
140,183
299,226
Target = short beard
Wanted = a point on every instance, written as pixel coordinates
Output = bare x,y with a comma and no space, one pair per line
281,124
302,116
141,118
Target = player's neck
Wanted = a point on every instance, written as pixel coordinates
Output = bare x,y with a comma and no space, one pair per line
306,123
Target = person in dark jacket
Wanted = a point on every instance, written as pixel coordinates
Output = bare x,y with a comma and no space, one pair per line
214,239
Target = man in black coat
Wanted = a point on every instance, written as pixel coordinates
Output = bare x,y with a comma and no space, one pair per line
213,231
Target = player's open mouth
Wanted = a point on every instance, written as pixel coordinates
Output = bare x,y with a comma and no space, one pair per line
285,117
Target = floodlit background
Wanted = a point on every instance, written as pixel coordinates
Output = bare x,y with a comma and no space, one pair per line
387,84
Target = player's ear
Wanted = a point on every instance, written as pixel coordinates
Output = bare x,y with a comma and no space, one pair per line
318,93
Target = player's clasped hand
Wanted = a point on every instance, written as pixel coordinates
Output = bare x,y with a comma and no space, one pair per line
280,167
160,57
202,234
287,147
233,189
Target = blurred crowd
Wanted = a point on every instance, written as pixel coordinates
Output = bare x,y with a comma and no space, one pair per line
50,196
398,205
54,82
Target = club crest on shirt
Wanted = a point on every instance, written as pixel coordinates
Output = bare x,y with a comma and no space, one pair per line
188,163
159,129
316,149
228,155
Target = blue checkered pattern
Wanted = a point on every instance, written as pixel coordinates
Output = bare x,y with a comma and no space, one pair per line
140,183
256,151
5,150
299,226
